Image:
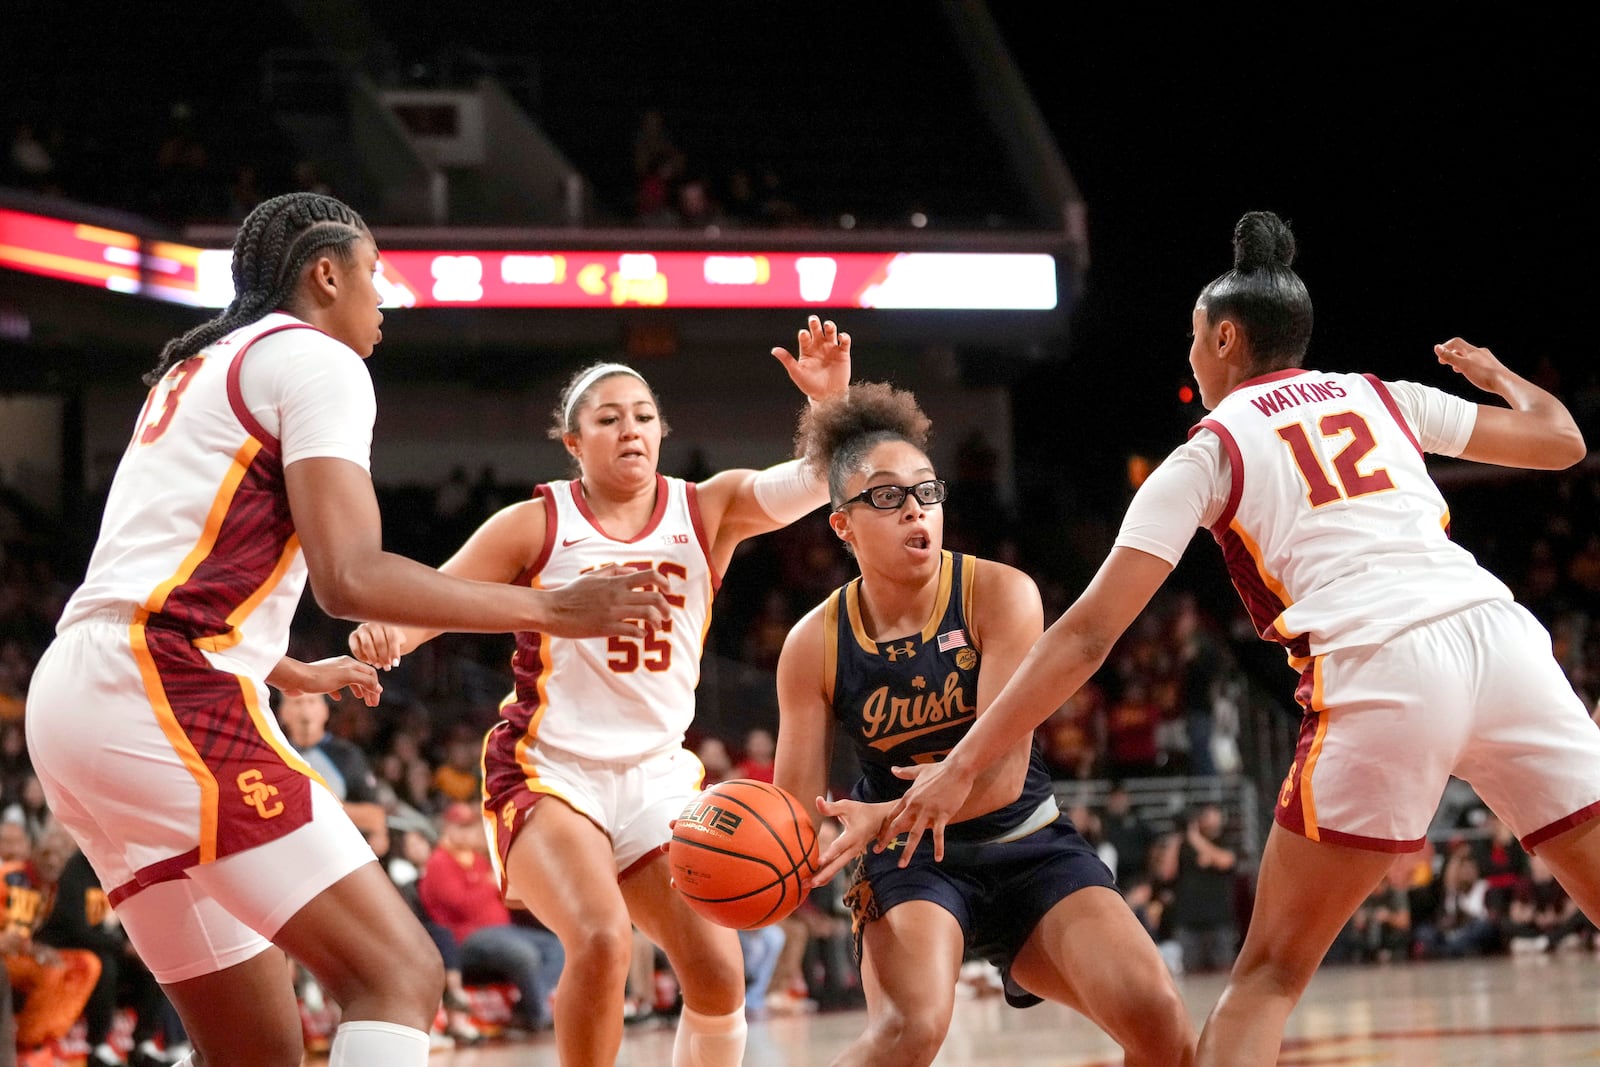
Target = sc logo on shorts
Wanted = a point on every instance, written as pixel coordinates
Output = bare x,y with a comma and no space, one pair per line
257,793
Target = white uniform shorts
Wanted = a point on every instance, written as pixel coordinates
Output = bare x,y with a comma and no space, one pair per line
202,822
633,803
1475,694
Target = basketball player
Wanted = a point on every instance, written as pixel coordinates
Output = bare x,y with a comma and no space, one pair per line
587,767
147,719
1415,663
902,661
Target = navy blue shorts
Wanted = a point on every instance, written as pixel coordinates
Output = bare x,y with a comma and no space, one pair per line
998,892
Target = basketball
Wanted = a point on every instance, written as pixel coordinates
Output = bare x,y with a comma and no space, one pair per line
742,852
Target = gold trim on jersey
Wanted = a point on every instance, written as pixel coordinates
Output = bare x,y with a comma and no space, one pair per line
156,693
1308,799
236,618
830,647
290,757
941,602
214,519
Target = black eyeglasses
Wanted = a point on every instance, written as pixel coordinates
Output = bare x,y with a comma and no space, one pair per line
890,497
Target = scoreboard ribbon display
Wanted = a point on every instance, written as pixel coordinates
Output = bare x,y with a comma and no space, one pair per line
183,274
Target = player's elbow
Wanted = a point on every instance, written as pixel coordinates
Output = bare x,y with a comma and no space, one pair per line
1568,450
338,593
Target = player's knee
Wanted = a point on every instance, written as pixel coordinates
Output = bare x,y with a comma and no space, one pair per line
1156,1027
911,1037
601,949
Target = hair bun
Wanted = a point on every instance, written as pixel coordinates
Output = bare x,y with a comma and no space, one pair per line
1262,239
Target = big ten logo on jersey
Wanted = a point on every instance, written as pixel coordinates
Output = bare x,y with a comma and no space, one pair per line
888,720
258,794
653,651
711,818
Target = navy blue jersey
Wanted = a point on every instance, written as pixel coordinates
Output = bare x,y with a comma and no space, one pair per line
910,700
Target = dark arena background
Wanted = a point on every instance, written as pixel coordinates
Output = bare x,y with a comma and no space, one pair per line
1010,210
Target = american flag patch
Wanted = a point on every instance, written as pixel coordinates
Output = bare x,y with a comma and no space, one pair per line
953,639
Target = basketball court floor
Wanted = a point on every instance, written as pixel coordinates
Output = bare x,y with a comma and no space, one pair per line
1529,1011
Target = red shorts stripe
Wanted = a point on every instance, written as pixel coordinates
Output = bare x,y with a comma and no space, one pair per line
1560,826
258,797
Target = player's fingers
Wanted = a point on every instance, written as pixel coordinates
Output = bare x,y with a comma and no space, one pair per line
782,355
938,842
832,862
844,340
913,839
625,628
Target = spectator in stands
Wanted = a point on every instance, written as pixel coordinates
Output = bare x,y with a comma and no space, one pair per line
1071,739
1502,863
713,755
1458,923
33,164
16,845
342,765
1125,832
55,983
1380,930
460,890
29,809
1202,906
1542,917
1200,662
758,751
460,776
1132,725
762,947
81,919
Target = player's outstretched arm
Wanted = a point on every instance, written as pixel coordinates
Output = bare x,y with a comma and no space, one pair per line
1536,432
336,518
1059,663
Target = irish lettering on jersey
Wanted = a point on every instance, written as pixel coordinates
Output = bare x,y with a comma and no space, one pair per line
911,699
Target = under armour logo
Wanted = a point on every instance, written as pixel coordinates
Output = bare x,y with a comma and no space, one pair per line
256,793
908,650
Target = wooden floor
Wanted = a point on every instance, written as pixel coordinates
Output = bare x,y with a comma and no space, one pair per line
1525,1011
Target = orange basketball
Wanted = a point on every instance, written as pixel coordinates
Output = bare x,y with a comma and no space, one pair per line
742,852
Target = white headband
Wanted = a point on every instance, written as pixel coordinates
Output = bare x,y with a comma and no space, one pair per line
595,374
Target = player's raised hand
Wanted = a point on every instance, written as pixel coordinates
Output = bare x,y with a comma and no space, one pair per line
1477,365
860,825
379,644
822,369
613,601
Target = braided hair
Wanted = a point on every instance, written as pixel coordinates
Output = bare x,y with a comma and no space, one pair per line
274,243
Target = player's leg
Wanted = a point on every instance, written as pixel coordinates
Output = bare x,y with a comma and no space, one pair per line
1535,750
561,866
910,959
1090,953
707,960
229,985
1306,891
320,895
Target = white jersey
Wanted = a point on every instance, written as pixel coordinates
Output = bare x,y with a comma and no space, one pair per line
197,534
616,698
1333,532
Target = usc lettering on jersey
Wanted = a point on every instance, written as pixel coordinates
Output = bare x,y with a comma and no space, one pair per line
615,698
1334,534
